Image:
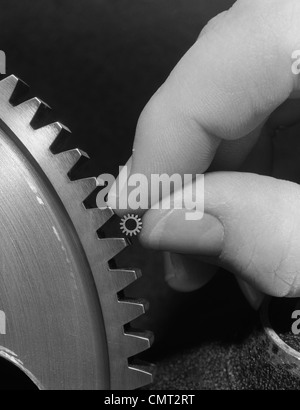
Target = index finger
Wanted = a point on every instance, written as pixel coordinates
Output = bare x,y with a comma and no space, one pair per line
229,82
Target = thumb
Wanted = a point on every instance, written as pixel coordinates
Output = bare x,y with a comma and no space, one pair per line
251,226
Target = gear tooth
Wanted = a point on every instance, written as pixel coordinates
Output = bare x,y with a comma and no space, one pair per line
30,111
122,278
133,376
136,342
85,187
140,375
60,133
70,159
131,310
16,88
20,93
8,86
47,135
99,217
112,247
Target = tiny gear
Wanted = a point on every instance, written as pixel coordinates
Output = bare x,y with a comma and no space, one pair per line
124,224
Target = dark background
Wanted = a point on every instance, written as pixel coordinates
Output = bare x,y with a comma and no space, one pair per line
97,62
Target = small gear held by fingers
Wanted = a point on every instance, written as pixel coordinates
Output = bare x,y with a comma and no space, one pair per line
131,225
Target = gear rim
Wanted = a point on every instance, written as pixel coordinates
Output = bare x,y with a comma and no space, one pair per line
122,344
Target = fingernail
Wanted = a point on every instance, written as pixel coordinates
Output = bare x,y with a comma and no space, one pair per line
172,232
117,196
253,296
186,274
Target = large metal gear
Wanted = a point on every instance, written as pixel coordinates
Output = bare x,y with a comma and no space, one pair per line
67,321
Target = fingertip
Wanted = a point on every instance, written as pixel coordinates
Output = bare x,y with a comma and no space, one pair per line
253,296
170,230
186,274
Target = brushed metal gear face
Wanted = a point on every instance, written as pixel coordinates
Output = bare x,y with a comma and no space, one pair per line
65,318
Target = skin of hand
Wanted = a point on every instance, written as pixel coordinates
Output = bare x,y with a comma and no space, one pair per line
230,110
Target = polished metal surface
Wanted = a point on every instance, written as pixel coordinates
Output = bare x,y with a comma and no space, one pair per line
65,321
279,353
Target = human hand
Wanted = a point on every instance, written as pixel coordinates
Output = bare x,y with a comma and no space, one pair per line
219,113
